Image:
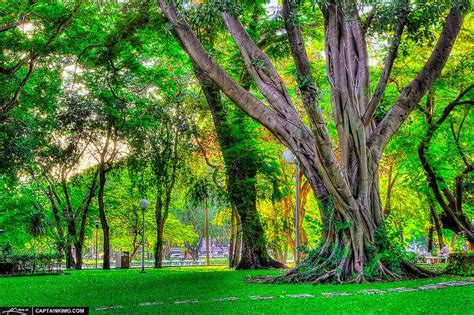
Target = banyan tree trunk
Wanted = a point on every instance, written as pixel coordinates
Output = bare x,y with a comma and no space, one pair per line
346,182
351,248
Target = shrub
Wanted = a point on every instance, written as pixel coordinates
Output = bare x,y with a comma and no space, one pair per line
461,263
13,262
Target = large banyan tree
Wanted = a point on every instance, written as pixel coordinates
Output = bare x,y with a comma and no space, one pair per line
344,178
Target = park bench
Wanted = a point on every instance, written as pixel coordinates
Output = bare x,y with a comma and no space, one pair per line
433,260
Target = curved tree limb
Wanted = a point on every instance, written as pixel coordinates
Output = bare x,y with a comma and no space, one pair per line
453,203
391,56
415,90
299,139
273,88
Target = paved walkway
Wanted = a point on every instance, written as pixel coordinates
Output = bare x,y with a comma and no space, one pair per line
426,287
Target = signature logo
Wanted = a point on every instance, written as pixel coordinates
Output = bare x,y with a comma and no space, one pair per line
16,311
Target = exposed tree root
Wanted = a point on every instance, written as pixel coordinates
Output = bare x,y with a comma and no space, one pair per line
248,263
320,269
413,271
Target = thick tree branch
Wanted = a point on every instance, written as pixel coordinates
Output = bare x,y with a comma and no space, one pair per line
262,70
273,88
11,70
12,103
289,129
286,131
415,90
436,182
392,54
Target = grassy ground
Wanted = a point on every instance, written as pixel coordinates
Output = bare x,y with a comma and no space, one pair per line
137,262
129,288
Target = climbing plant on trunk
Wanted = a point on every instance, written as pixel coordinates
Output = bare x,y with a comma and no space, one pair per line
241,170
346,183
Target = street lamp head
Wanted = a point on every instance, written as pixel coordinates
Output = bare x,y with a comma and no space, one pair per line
144,204
289,156
96,223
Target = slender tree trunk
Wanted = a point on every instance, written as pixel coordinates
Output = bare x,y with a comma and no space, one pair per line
453,241
160,222
237,241
206,230
390,183
232,237
453,216
70,224
430,237
103,218
436,223
83,211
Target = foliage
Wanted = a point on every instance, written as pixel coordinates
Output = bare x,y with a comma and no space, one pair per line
23,262
460,263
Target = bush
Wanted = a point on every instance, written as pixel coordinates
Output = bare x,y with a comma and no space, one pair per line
13,262
461,263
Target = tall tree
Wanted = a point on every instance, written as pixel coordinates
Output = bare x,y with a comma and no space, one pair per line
107,150
53,179
346,183
241,158
159,149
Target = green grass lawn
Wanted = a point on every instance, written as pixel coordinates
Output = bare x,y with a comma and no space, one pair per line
129,288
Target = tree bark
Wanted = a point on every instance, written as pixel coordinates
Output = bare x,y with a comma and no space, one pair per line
103,219
165,175
160,224
237,242
436,223
430,236
82,212
232,238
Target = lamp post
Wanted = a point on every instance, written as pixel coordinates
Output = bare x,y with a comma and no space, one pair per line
143,205
291,158
96,241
